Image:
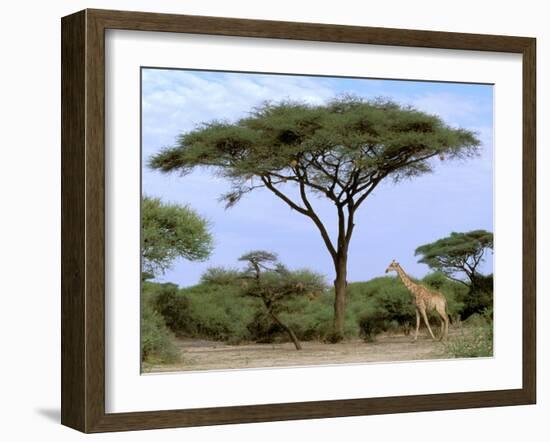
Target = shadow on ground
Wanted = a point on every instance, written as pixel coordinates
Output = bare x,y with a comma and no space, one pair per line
52,414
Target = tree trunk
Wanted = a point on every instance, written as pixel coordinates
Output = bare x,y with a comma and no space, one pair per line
287,329
340,288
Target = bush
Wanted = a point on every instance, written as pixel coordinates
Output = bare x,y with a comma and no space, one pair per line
220,313
220,276
206,311
310,319
471,343
475,338
475,320
173,307
480,296
370,326
262,329
381,304
217,310
157,344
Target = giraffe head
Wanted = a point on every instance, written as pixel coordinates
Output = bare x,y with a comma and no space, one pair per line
393,266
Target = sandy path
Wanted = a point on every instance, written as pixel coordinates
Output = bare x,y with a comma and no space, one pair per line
206,355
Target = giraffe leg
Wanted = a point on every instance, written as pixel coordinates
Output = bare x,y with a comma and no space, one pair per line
445,317
417,325
425,317
444,322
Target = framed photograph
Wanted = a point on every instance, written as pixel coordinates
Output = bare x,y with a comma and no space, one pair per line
268,220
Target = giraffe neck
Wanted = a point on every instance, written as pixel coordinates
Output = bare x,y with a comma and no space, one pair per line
411,286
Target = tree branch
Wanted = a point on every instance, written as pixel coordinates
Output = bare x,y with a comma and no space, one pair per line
367,193
282,196
457,280
311,213
416,160
351,223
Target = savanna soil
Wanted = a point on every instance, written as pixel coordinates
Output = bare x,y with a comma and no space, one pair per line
210,355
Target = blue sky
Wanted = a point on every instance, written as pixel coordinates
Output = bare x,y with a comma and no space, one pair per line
391,223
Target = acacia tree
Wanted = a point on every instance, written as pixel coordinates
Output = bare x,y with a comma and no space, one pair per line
270,281
458,254
340,150
170,231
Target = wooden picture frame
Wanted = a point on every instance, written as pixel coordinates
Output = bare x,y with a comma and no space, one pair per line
83,220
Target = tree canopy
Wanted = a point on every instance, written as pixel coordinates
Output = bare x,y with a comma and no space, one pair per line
170,231
340,150
458,253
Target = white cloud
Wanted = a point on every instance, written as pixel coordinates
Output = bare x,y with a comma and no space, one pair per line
177,101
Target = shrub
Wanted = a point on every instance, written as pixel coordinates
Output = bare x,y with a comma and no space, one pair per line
471,343
157,345
220,313
475,320
381,304
480,296
332,337
370,326
220,276
262,329
216,309
474,340
310,319
174,308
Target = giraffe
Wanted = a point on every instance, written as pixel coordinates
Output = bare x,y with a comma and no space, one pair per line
424,300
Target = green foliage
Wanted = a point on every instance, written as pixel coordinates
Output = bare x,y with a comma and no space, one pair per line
262,329
259,258
386,304
370,326
479,297
475,338
217,310
459,253
220,276
170,231
175,309
310,319
375,306
269,280
344,138
379,305
157,344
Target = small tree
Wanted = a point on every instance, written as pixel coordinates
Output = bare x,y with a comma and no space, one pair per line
458,254
170,231
340,150
267,279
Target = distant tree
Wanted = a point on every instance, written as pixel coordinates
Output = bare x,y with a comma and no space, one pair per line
458,254
340,150
221,276
270,281
170,231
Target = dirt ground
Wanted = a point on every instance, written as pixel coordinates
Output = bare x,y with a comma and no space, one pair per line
208,355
